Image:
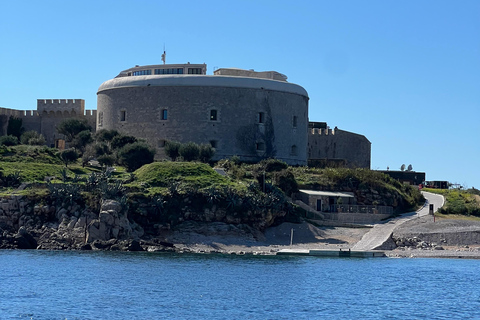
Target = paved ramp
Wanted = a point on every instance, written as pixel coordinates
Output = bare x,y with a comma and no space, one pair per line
381,233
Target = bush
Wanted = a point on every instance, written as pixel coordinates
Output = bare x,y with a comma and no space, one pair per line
8,140
285,180
206,152
189,151
72,127
82,139
120,141
32,138
105,135
272,165
106,160
172,149
69,156
135,155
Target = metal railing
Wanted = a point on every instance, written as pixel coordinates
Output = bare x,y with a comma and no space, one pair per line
361,209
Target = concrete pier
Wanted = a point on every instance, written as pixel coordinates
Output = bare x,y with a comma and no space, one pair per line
345,253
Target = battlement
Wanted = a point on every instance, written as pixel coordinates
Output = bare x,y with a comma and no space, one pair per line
321,132
71,105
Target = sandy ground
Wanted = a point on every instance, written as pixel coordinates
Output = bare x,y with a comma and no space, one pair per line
223,238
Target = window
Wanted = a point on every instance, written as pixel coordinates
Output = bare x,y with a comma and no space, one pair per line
194,70
142,72
214,143
164,114
293,150
261,117
213,115
169,71
260,146
123,115
294,121
161,143
100,119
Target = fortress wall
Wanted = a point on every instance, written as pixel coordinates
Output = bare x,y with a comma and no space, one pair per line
76,106
354,148
52,114
236,130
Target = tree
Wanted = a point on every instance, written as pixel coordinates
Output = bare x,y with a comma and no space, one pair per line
410,168
69,156
72,127
119,141
135,155
206,152
172,149
81,140
189,151
105,135
14,127
402,168
106,160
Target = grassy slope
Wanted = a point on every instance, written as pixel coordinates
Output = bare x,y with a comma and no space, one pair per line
34,163
459,202
195,175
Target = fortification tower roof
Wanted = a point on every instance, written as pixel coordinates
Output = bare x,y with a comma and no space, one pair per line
202,80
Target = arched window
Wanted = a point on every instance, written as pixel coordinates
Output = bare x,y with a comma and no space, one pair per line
293,150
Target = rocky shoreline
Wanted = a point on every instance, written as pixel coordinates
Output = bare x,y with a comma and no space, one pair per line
111,230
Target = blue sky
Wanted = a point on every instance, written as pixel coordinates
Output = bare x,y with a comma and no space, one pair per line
406,74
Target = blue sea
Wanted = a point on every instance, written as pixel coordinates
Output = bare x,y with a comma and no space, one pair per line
121,285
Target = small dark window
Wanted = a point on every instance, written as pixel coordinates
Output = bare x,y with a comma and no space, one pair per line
161,143
261,117
294,122
123,115
293,150
164,114
260,146
213,115
214,143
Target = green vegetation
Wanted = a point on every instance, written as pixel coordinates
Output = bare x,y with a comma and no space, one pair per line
459,202
193,175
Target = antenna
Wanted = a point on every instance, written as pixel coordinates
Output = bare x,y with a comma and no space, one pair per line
164,55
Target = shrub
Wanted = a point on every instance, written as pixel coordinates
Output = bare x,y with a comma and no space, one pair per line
272,165
105,135
69,156
82,139
32,138
172,149
72,127
135,155
206,152
8,140
106,160
189,151
285,180
119,141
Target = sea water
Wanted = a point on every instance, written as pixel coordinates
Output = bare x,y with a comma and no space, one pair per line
122,285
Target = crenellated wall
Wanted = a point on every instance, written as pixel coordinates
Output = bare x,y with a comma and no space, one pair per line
348,148
49,114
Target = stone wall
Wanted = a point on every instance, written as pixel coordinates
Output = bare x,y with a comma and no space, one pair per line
348,148
138,111
49,114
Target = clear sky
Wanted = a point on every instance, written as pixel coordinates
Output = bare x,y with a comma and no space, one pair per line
406,74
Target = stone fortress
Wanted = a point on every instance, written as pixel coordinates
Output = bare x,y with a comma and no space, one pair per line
244,113
49,114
